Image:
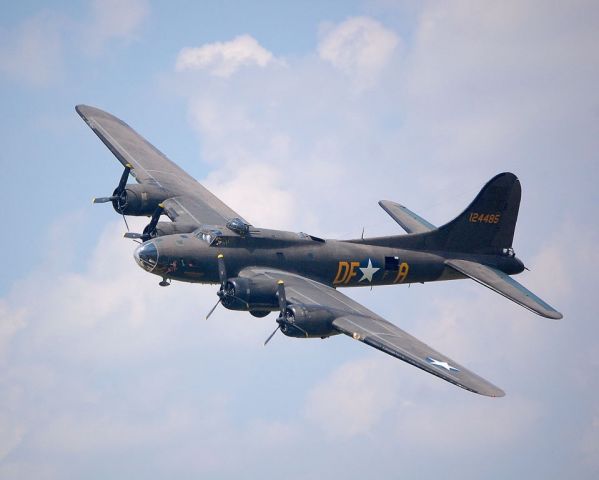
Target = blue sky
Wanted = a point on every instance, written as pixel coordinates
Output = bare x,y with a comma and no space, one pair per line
300,116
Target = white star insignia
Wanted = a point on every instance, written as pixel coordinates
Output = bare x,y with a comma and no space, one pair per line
368,272
438,363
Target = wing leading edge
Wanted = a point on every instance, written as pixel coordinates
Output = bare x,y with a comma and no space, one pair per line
359,323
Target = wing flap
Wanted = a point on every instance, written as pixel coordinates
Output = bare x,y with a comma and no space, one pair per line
505,285
408,220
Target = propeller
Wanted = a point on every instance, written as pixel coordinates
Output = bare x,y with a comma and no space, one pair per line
117,196
226,292
282,309
222,276
286,318
150,229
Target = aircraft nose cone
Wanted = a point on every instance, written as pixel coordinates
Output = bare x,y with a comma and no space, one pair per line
146,256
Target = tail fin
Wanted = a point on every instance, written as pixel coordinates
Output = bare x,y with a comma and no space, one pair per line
488,224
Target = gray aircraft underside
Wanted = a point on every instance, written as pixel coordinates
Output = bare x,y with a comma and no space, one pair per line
262,270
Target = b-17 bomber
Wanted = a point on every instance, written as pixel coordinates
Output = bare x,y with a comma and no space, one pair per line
299,275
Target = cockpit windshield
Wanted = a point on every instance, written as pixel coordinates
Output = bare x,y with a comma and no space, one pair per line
211,236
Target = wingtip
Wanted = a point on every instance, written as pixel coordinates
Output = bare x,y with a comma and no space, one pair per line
82,110
552,314
86,111
493,392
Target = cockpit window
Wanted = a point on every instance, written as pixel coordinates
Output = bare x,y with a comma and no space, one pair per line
204,236
212,236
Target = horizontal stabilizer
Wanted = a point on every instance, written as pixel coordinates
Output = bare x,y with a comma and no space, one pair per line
505,285
408,220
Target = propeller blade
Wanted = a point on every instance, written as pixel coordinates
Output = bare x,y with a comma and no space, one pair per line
134,235
222,270
104,199
124,178
150,229
212,310
222,275
282,297
155,217
272,335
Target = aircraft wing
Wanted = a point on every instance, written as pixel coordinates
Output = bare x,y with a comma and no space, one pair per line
359,323
188,202
505,285
407,219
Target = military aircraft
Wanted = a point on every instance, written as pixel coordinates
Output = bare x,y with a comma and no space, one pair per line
262,270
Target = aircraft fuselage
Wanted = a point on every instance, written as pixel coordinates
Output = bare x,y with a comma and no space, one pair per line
352,263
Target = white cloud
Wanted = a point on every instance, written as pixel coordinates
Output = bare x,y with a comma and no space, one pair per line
361,47
10,323
590,441
11,435
32,52
70,348
468,426
223,59
354,398
114,19
256,192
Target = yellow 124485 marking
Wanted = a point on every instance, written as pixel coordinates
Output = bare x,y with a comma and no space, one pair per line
484,217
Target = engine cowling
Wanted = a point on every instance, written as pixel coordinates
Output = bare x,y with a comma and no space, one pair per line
138,200
249,294
305,321
171,228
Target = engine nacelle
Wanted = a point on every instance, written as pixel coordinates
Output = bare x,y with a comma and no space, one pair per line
247,294
171,228
307,321
138,200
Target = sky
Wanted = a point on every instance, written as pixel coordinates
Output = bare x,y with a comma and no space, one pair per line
300,116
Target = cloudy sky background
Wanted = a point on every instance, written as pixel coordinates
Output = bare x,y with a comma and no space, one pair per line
300,116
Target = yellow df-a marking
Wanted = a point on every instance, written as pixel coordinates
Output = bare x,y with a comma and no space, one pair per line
402,273
345,272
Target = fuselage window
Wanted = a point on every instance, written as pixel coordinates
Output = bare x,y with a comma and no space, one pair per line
392,264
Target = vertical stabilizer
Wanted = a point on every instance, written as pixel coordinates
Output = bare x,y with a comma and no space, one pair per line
488,224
